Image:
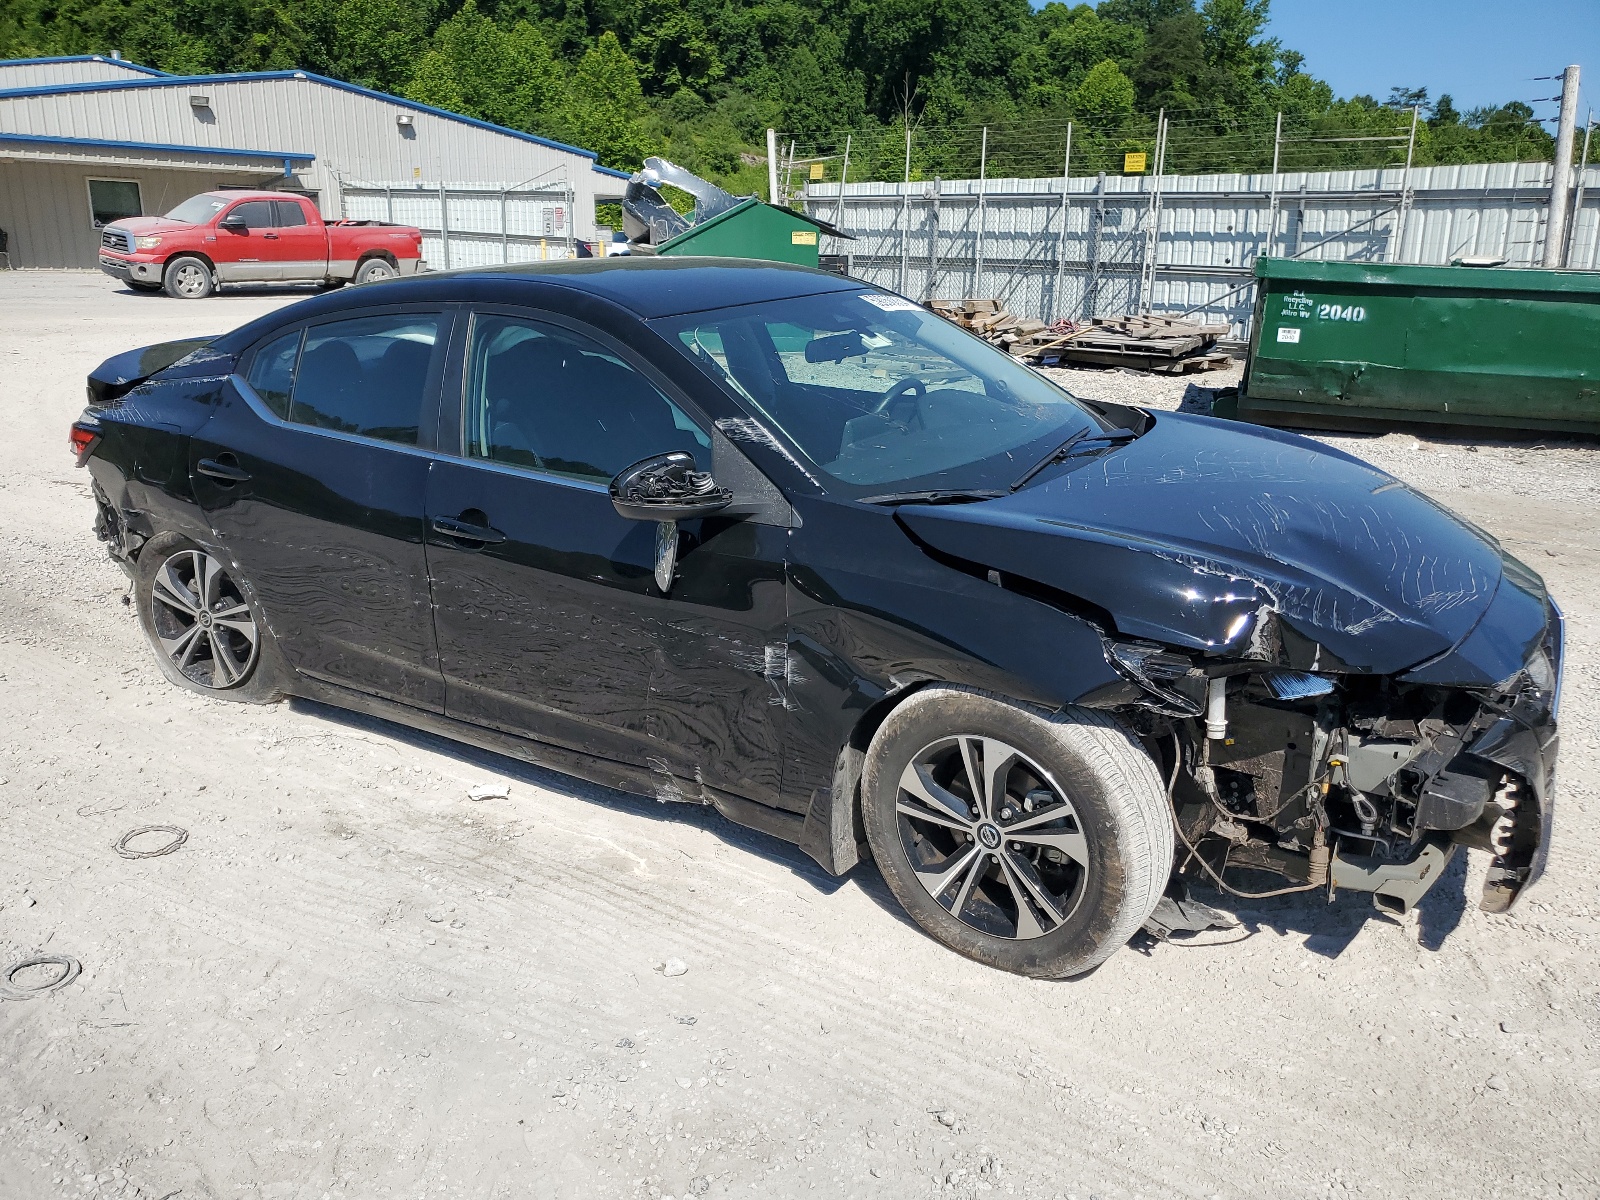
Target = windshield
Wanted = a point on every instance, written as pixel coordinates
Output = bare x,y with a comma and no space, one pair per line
877,391
197,210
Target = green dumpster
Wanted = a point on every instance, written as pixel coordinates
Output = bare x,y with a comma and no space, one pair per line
1351,344
753,229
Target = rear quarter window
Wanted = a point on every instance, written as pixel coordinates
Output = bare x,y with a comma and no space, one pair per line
271,374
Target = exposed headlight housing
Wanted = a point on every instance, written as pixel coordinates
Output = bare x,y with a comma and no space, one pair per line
147,243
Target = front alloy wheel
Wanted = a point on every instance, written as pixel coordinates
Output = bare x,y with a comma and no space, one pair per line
1033,841
993,839
202,622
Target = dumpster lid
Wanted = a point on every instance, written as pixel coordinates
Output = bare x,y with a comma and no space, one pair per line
1410,275
744,207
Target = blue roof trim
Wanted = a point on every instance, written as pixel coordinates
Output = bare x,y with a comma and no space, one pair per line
599,170
111,85
165,147
71,58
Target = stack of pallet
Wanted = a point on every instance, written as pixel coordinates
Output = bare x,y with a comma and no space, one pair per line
1140,343
989,320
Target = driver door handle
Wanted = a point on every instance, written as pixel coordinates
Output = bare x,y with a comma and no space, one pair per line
467,532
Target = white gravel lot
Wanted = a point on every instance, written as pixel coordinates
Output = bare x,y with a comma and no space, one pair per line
353,982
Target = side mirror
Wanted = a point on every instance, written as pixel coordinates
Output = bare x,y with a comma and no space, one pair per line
667,488
234,225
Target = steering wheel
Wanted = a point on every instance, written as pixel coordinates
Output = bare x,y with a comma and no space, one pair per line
902,391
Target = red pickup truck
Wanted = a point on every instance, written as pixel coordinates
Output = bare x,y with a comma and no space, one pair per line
252,237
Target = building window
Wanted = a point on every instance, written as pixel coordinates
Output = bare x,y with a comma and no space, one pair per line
112,200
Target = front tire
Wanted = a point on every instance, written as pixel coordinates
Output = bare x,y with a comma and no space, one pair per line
206,632
1034,842
188,278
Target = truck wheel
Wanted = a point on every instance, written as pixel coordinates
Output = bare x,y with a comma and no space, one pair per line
188,278
375,269
1031,841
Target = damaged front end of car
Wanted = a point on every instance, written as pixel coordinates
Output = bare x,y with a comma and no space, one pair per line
1343,681
1348,781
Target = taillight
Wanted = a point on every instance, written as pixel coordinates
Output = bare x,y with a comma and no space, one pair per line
83,437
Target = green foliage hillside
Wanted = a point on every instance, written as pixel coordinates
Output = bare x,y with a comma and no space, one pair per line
699,81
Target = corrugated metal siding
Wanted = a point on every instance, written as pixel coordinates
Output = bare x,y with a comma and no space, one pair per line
355,137
45,207
922,238
48,74
478,228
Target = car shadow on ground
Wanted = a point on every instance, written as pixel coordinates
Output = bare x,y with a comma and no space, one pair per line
289,291
701,816
1329,928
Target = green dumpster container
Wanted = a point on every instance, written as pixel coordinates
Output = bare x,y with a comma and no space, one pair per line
753,229
1352,344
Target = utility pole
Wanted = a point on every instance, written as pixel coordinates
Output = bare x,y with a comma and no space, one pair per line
905,216
1061,242
772,166
1397,243
1555,233
1577,199
983,187
1272,201
844,177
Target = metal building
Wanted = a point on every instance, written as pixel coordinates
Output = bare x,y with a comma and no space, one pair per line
84,141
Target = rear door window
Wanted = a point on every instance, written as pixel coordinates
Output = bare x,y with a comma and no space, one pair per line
272,372
367,376
290,213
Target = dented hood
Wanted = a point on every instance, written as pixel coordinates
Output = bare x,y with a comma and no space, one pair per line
1242,541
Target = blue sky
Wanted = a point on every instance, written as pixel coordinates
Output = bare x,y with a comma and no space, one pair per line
1480,51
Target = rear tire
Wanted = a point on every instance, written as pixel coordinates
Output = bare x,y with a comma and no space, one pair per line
1050,862
207,633
188,278
375,269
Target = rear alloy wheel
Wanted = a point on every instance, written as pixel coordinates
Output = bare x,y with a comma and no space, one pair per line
375,269
204,630
1037,843
188,278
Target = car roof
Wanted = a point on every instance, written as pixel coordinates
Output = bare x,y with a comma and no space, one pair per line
659,287
241,194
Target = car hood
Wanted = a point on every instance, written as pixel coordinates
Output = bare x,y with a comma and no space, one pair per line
141,226
1241,541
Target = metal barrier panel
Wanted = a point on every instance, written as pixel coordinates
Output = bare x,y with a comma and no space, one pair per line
1051,253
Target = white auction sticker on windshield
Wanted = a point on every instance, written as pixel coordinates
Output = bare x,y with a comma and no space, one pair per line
891,303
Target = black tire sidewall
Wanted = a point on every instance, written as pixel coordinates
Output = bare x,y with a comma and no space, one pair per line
265,680
362,272
1073,947
172,267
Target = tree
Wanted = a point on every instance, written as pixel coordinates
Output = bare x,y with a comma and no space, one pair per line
474,67
1104,95
604,106
377,43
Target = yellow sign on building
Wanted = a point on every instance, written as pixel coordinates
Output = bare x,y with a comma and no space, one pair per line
803,237
1133,164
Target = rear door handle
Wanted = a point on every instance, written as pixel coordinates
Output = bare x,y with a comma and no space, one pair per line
467,532
225,472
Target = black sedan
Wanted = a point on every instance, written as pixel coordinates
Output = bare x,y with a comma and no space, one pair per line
768,539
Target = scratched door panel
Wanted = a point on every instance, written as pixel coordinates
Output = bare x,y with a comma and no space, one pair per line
540,632
722,677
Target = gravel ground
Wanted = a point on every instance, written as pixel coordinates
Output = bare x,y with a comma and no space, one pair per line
354,982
